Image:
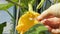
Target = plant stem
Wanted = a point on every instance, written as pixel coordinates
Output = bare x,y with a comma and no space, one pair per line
40,4
13,2
16,4
30,7
10,14
17,15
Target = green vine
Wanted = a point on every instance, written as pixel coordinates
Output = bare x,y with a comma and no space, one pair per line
40,4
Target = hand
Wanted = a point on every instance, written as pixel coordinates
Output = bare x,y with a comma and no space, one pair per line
50,14
53,24
53,10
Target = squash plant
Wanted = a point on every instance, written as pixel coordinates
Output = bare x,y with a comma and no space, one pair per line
23,22
27,20
23,4
24,8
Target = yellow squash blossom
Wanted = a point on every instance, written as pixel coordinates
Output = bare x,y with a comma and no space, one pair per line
26,21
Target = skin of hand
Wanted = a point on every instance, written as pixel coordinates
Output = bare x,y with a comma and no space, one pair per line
52,24
52,11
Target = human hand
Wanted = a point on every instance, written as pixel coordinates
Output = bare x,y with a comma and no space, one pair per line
53,10
53,24
50,18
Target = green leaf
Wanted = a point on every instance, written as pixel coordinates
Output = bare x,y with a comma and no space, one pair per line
37,29
6,6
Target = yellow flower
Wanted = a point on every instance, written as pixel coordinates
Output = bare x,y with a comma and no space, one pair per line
26,21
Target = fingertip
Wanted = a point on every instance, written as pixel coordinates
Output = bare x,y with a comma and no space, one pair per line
39,18
43,15
43,21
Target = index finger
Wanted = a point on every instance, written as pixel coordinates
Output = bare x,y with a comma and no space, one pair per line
43,15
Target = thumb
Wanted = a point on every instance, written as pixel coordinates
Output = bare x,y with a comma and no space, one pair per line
43,15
